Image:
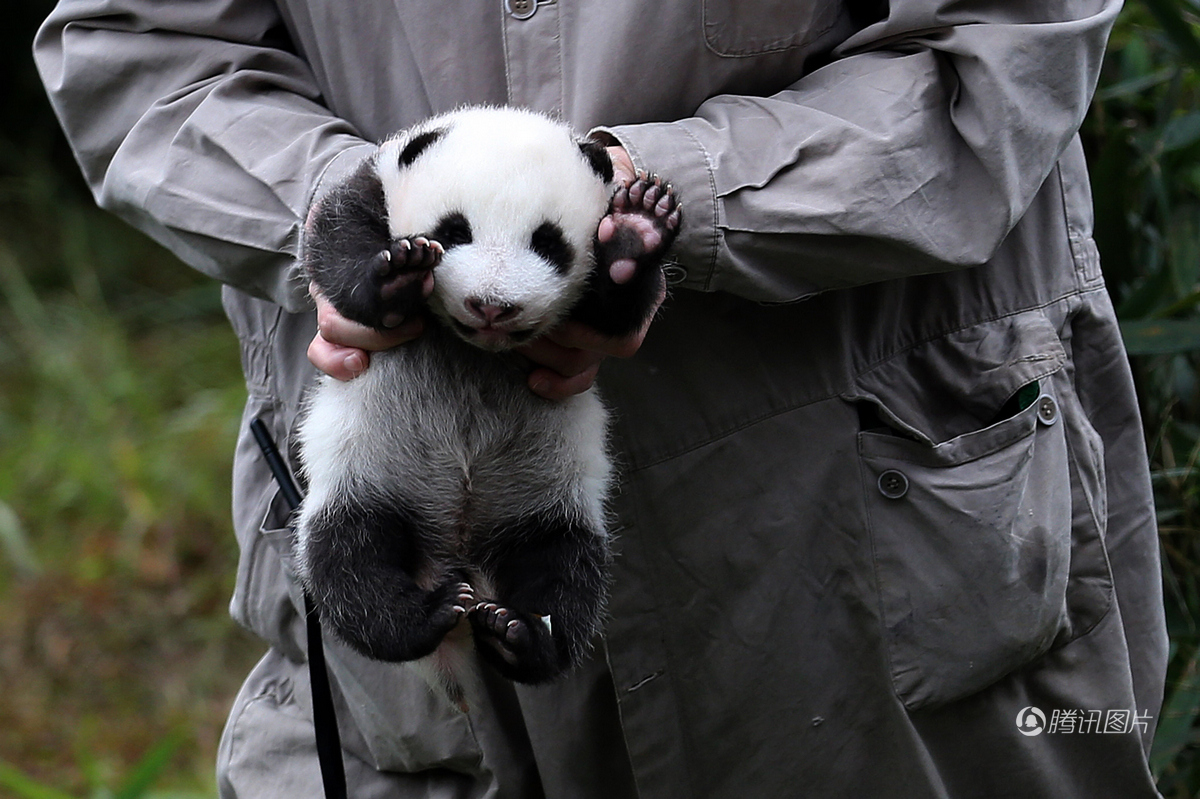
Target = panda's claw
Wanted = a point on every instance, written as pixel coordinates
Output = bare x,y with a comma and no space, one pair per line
505,631
466,597
650,199
381,264
636,190
620,200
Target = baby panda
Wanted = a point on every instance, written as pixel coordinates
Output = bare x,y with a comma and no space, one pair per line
449,508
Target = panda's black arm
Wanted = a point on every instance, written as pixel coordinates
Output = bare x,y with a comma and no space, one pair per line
348,252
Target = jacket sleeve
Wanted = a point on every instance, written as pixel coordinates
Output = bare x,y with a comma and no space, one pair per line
915,150
194,122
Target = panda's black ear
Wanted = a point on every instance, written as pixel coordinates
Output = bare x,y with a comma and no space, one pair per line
597,157
418,144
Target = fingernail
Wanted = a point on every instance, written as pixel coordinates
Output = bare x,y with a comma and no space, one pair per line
355,364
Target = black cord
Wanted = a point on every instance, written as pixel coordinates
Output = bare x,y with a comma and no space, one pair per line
329,745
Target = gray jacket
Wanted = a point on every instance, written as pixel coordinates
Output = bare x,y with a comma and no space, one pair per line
850,562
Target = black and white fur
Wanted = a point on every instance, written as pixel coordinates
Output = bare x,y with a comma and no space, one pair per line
445,501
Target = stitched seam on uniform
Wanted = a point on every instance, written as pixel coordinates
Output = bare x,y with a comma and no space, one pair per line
269,376
748,51
1080,272
556,8
508,84
975,323
1073,464
237,737
725,433
716,215
1076,239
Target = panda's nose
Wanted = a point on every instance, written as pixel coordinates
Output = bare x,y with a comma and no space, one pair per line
491,313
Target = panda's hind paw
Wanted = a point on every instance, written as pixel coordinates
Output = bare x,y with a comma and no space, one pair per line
522,643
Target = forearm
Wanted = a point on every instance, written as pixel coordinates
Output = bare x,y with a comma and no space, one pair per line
916,150
195,123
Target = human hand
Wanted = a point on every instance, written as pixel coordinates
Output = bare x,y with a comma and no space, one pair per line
341,348
568,358
623,171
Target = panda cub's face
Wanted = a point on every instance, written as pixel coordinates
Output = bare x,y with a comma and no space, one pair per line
514,202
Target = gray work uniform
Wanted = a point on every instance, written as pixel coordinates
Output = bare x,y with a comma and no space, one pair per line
854,562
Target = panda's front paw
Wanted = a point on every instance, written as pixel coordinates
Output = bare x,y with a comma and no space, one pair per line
642,222
627,283
400,278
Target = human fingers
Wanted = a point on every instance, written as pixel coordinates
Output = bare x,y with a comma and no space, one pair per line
342,363
566,360
341,347
578,336
623,170
337,329
551,385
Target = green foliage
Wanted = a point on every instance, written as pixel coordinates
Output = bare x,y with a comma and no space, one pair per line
135,785
119,404
1144,142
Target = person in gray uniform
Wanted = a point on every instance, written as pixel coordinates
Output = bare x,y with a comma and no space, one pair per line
885,524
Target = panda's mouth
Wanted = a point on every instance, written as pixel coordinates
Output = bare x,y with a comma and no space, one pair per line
493,338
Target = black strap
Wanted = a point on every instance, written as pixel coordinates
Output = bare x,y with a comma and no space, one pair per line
329,744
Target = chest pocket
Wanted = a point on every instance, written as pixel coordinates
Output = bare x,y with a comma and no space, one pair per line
986,538
753,27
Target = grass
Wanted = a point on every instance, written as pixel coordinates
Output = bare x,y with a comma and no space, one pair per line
118,411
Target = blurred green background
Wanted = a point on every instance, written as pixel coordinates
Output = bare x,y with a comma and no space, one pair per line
120,395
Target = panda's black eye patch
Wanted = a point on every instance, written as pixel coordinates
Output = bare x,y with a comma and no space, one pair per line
453,230
549,242
418,144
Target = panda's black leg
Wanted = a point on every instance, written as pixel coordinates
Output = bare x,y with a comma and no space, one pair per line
627,282
349,254
359,565
550,590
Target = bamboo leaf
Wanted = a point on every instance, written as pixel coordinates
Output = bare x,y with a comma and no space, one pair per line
25,787
1176,28
1181,131
1161,336
151,765
1179,714
1135,86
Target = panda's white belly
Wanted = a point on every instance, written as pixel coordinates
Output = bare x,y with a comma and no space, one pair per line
455,435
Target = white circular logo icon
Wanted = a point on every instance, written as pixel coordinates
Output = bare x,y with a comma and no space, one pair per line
1031,721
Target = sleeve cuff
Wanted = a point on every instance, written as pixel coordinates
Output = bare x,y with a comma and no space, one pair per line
340,167
295,291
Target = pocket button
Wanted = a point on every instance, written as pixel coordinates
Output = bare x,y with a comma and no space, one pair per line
674,274
893,484
1047,410
521,9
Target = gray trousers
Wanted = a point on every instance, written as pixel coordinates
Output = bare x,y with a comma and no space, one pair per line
268,749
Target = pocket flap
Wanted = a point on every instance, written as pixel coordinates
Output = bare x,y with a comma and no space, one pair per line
959,382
